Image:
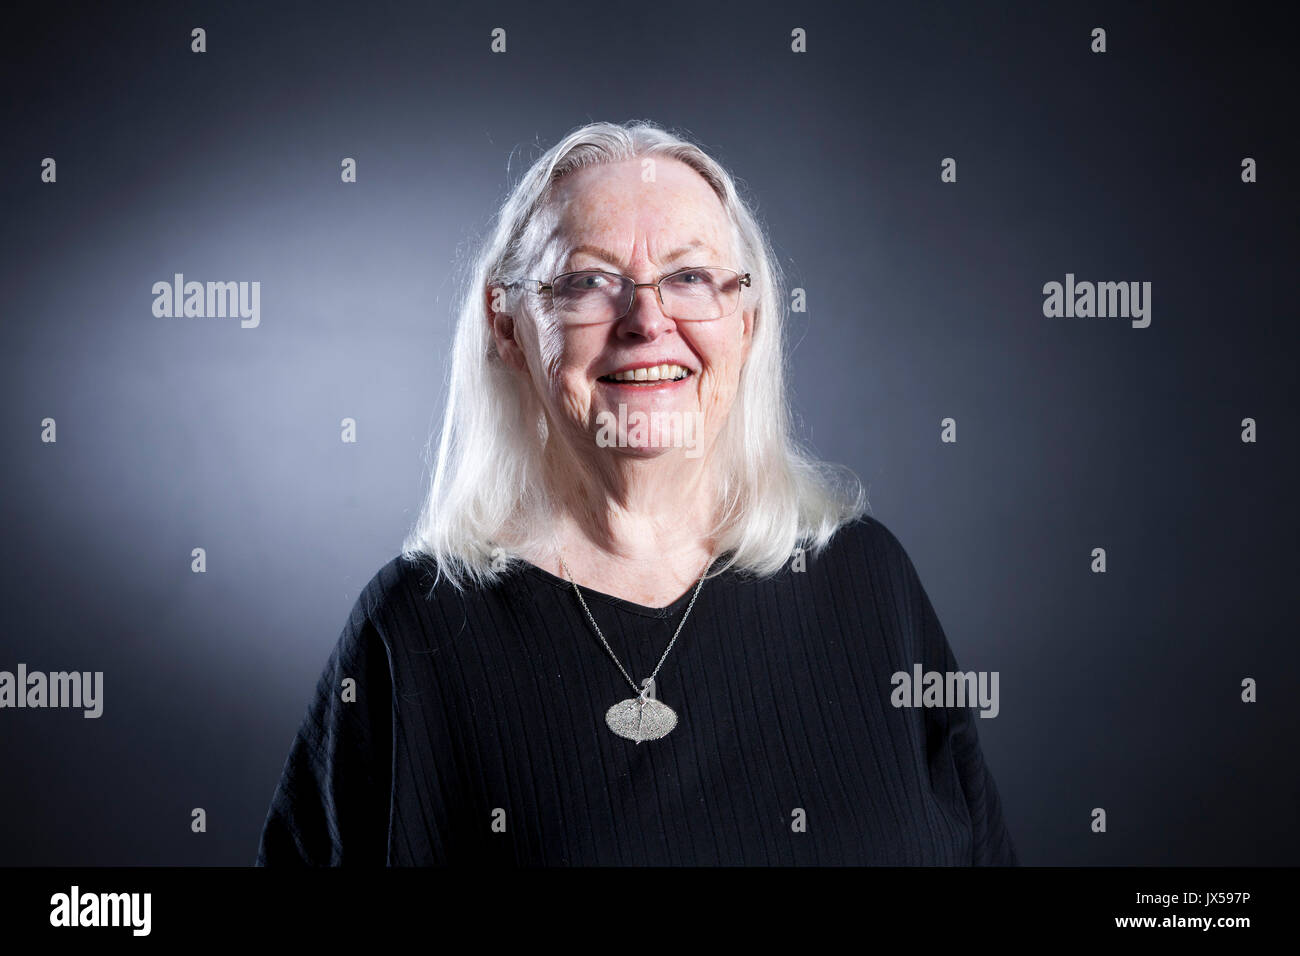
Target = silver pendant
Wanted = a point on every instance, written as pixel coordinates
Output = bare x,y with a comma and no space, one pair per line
642,717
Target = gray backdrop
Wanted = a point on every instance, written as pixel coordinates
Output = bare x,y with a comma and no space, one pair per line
1119,690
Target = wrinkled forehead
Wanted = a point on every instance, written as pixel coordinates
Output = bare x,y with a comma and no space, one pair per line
622,211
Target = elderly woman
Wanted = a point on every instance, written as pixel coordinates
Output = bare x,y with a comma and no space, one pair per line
635,623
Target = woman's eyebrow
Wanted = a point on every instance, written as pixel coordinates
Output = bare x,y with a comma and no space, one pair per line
617,262
689,247
596,251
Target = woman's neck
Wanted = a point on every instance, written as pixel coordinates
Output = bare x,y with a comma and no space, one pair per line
653,567
642,533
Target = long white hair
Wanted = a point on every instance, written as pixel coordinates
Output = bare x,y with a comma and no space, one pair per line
487,482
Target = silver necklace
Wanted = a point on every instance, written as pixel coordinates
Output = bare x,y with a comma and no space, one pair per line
641,717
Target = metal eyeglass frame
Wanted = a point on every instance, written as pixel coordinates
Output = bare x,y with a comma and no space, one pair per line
744,278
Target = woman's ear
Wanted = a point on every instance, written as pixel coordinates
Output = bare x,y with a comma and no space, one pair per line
747,329
498,306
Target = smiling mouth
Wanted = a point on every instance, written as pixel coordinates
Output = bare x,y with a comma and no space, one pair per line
654,375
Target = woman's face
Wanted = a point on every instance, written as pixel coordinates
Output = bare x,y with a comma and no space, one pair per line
610,218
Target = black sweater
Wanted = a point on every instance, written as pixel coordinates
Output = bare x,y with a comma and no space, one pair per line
478,736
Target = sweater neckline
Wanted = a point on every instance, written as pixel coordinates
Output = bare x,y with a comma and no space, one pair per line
590,594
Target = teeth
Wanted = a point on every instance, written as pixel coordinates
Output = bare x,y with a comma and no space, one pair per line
656,373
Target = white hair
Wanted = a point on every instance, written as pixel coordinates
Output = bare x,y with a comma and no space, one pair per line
487,484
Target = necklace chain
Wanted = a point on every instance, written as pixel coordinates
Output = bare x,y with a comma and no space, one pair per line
638,690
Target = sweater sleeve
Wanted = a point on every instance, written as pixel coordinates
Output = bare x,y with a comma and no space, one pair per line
952,739
332,804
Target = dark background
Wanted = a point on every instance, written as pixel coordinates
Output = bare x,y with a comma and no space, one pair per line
1118,690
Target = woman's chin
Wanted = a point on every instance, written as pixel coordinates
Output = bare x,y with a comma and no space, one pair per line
635,453
635,431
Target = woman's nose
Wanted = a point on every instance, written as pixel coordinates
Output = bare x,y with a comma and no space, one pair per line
646,316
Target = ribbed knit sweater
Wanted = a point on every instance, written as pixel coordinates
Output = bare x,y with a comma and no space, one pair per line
475,731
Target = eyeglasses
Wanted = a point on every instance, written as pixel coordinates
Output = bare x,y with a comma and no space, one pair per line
593,297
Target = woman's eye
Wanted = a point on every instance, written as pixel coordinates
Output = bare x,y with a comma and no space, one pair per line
694,277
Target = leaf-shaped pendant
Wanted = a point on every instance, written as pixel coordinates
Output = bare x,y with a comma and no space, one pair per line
641,718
